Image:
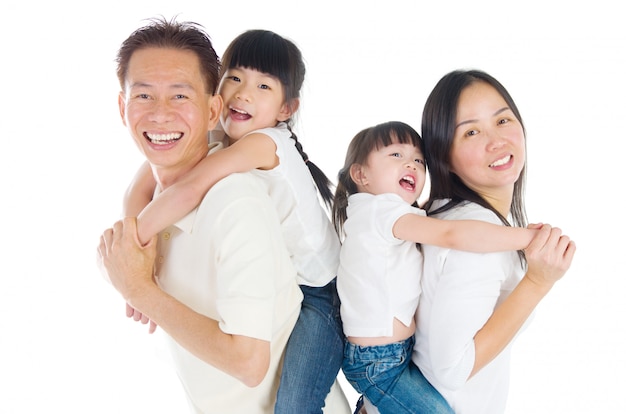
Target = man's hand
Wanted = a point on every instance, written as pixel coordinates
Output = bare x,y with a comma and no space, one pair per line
138,316
129,266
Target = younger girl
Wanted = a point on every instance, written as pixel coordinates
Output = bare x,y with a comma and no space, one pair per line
380,266
262,74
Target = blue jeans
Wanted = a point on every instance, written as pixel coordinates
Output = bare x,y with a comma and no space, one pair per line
314,353
390,381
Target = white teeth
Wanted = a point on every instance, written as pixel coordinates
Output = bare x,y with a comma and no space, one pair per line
164,138
409,179
501,161
239,111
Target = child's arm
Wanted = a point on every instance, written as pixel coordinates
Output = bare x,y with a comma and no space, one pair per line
139,192
254,151
469,235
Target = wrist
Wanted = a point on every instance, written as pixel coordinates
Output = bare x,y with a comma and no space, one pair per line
141,295
537,285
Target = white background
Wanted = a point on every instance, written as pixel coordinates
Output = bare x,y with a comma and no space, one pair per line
65,345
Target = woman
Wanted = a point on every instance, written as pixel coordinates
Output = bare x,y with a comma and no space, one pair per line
473,305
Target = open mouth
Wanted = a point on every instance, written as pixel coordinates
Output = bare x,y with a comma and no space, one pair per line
239,115
163,139
408,183
501,161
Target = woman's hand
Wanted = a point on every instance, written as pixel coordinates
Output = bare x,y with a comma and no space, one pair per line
549,256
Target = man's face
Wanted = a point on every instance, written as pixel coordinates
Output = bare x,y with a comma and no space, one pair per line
167,109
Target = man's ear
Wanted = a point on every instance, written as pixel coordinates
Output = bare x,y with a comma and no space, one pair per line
215,110
121,103
288,109
358,174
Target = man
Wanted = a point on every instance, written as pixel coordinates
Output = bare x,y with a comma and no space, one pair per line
220,284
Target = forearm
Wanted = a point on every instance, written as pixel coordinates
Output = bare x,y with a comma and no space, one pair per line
482,237
244,358
474,236
506,321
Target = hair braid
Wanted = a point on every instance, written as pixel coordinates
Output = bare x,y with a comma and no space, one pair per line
323,184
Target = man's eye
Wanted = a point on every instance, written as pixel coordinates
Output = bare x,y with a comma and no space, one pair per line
180,96
143,96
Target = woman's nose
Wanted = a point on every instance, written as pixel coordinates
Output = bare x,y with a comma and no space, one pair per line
496,139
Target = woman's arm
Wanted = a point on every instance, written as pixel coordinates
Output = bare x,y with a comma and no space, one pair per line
467,235
549,256
254,151
469,311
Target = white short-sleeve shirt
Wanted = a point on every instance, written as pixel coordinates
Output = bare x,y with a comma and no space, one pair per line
308,231
460,292
379,275
227,260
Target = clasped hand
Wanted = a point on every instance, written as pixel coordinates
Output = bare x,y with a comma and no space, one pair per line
128,265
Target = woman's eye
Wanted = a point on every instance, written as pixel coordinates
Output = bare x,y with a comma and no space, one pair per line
503,121
395,154
263,86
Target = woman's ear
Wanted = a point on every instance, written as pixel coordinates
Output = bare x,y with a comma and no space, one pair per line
357,174
288,109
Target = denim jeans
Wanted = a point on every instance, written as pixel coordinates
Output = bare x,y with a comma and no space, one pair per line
390,381
314,353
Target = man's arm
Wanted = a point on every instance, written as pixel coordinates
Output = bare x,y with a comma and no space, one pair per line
129,267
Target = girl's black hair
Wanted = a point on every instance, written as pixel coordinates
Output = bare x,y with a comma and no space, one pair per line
363,143
270,53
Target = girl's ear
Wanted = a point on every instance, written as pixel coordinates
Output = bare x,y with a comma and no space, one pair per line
358,174
288,109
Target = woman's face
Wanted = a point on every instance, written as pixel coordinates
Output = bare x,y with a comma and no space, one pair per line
488,150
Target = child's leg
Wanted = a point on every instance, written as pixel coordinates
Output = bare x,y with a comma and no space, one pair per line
386,376
314,353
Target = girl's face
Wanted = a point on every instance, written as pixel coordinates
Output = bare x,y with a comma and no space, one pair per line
252,100
488,151
396,168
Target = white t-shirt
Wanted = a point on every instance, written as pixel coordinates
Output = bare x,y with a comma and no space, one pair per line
227,260
460,290
308,231
379,275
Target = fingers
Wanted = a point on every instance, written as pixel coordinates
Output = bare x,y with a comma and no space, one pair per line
140,317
